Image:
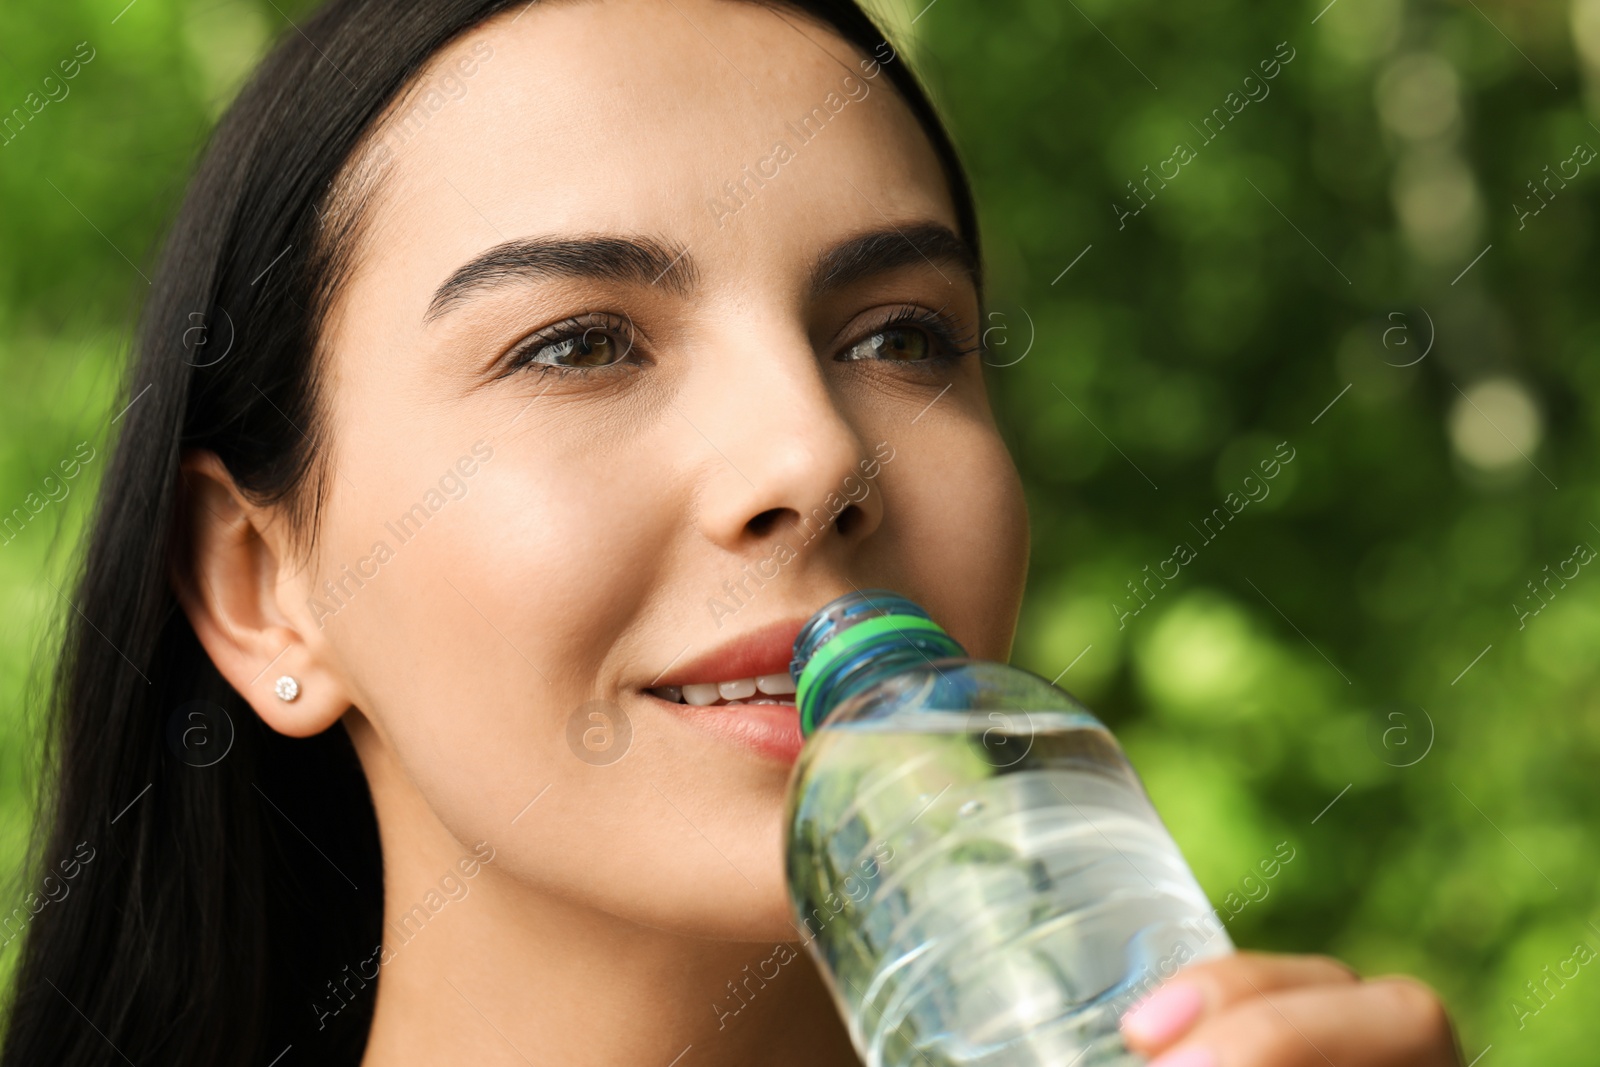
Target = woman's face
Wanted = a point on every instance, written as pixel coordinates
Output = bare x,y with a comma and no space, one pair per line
659,336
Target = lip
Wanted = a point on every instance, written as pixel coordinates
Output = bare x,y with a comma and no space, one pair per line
766,650
771,730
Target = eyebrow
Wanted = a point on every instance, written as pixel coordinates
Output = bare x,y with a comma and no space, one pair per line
629,260
644,261
881,251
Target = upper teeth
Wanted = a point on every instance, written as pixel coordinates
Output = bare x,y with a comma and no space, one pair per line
702,693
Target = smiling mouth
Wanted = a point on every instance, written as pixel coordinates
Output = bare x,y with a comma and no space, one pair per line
762,689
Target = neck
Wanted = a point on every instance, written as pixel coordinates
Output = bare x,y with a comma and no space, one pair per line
496,971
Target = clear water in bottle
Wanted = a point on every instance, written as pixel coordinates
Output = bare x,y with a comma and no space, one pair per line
971,858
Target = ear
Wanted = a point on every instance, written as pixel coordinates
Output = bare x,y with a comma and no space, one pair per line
235,579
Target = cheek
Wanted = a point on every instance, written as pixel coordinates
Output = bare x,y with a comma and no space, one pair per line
492,622
498,623
957,529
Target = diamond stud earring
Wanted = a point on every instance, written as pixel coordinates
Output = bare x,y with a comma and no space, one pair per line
286,688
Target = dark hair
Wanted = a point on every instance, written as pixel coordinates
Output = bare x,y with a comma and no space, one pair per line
224,879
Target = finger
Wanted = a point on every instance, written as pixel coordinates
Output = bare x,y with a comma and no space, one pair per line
1391,1022
1203,990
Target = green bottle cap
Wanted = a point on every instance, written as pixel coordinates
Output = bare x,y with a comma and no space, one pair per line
849,634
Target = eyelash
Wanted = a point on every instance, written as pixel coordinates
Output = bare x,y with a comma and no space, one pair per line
620,327
950,342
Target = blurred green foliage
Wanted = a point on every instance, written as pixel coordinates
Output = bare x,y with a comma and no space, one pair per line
1311,249
1355,662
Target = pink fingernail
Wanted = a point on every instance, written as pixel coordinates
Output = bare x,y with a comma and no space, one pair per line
1189,1057
1167,1014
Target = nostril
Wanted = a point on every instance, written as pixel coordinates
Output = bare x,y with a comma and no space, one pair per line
848,522
764,523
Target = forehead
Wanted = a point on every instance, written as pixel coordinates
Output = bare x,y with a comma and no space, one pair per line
735,129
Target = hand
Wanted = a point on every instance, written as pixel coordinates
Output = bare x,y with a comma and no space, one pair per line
1259,1010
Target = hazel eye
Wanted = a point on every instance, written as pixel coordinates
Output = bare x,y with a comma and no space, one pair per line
898,344
584,343
595,347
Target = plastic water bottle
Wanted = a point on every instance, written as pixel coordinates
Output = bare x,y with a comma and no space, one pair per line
971,860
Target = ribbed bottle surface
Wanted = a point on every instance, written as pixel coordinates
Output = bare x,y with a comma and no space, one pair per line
979,871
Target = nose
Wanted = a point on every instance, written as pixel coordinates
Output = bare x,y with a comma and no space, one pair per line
797,471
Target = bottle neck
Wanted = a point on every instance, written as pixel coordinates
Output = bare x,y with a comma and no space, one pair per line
855,654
